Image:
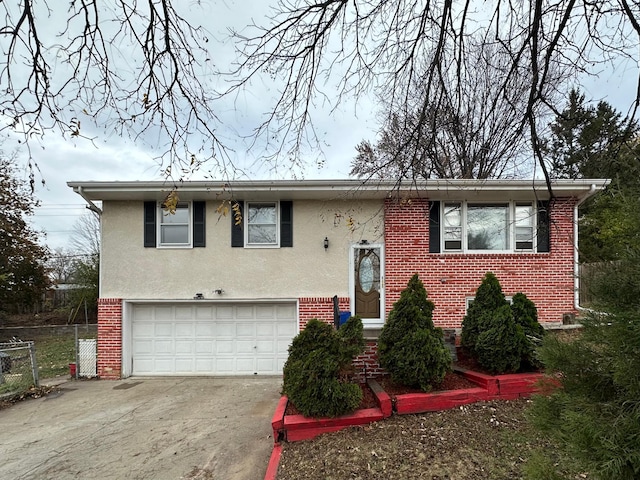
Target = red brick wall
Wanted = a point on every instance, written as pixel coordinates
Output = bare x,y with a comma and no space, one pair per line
366,365
546,278
110,338
320,308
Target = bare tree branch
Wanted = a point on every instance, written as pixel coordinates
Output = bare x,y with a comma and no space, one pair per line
382,46
136,67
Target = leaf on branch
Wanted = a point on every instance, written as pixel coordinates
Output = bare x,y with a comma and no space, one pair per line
170,203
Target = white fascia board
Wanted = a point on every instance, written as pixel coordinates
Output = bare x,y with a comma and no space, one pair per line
437,189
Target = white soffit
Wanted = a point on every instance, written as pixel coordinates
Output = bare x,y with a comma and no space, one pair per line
439,189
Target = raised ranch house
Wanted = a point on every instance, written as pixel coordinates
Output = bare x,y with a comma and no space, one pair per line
221,286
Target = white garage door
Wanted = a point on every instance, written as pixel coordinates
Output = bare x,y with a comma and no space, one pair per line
211,339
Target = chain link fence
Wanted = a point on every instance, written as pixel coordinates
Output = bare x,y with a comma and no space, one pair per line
18,367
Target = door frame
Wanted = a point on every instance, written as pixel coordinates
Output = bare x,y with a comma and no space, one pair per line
366,322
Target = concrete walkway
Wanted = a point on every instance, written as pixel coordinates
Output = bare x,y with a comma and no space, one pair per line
141,428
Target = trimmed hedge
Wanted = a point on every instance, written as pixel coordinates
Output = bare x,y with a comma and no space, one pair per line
410,348
502,337
317,371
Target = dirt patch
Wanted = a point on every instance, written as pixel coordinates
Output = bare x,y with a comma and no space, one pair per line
452,381
488,440
33,392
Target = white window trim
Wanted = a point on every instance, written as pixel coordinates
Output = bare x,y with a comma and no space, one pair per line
247,244
161,214
468,300
511,222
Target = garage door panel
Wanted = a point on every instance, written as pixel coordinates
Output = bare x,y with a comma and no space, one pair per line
265,365
183,347
266,346
283,346
203,313
183,313
224,347
205,329
141,329
164,366
205,365
225,330
245,312
245,347
164,313
286,330
245,330
224,312
163,329
205,346
184,329
263,312
210,339
265,330
245,366
143,312
143,347
225,366
163,347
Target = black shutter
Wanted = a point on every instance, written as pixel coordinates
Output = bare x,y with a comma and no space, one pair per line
434,227
237,232
149,224
286,224
544,241
198,224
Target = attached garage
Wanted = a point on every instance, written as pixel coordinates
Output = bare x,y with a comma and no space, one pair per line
202,338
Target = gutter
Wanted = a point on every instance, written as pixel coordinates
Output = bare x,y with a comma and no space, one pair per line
576,265
91,206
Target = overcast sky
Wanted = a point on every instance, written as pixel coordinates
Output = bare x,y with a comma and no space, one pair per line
111,157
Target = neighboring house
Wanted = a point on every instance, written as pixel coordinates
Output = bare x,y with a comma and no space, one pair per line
211,290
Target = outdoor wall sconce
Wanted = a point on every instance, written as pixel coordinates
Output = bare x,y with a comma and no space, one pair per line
198,296
218,291
326,243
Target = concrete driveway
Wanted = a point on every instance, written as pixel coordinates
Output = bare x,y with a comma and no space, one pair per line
142,428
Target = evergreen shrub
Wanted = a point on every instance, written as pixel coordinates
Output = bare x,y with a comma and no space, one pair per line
502,337
595,416
525,314
410,348
501,346
489,298
316,374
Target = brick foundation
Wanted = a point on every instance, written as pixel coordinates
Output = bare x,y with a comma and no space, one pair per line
110,338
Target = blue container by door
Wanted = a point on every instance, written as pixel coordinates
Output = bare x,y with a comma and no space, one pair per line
344,316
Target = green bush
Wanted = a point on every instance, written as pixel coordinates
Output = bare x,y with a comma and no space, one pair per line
596,413
525,314
502,337
316,374
410,348
489,298
595,416
501,346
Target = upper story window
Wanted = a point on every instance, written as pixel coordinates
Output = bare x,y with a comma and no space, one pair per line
175,228
262,223
488,227
183,229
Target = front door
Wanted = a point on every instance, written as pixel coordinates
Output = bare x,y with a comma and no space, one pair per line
367,266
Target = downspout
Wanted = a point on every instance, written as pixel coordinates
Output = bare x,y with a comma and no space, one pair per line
91,206
576,265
